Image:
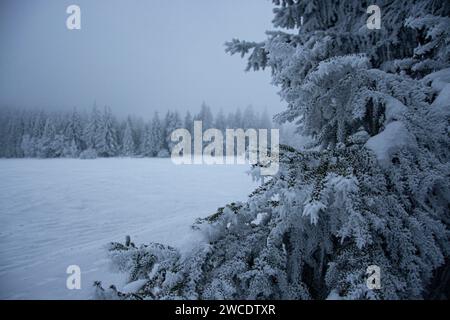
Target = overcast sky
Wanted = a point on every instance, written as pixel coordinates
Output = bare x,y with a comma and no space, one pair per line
136,56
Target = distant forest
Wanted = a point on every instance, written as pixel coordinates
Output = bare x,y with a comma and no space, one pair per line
28,133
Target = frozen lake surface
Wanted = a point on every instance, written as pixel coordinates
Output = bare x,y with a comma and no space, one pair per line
60,212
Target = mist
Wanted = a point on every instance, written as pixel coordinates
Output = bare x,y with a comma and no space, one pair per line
137,57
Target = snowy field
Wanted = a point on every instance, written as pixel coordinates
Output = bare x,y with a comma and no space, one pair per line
59,212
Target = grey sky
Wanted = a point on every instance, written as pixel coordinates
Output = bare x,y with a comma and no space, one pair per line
136,56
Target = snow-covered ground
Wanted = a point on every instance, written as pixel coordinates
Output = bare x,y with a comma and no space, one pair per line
60,212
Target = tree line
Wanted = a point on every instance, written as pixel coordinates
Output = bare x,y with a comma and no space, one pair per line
28,133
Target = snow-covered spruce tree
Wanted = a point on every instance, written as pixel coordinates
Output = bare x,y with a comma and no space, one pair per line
172,122
74,131
106,135
46,144
156,137
28,146
220,122
128,147
144,148
92,128
374,190
205,116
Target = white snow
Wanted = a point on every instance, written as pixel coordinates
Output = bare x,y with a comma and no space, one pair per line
394,109
259,218
438,79
394,137
134,286
442,102
60,212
